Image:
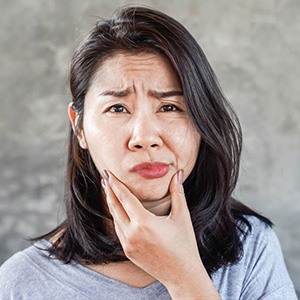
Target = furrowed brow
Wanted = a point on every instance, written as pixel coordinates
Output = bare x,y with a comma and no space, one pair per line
167,94
117,94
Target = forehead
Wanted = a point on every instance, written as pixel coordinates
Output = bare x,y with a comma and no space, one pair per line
144,66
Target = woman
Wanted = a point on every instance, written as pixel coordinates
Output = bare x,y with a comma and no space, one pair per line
153,160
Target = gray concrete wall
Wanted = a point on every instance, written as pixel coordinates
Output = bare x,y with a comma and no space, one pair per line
252,45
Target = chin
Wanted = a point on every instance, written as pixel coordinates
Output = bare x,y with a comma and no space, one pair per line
148,190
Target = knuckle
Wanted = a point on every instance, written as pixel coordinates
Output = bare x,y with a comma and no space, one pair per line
130,246
136,239
131,252
131,238
136,234
128,249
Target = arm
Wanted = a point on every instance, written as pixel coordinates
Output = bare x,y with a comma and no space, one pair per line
266,275
164,247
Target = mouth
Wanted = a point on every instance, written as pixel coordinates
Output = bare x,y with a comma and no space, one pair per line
151,170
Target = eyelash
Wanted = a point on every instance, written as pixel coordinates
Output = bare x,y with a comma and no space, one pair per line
113,108
173,107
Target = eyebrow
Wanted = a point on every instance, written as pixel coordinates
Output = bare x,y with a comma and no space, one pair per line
117,94
156,94
168,94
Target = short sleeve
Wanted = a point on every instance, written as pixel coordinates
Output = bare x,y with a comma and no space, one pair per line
266,274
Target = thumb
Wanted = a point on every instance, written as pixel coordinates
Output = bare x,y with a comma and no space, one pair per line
178,201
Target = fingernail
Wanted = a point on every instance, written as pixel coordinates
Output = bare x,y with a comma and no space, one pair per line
179,177
103,184
105,174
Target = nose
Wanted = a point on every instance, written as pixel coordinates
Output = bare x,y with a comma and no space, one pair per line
145,134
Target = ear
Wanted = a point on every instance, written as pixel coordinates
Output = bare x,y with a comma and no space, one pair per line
73,116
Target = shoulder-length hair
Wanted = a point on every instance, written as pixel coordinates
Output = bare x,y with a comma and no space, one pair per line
217,218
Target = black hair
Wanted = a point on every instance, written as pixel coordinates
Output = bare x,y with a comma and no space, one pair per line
219,220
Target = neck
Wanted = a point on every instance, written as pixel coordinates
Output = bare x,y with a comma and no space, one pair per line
159,207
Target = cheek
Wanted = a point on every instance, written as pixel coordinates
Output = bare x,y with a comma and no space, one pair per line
103,145
187,143
185,136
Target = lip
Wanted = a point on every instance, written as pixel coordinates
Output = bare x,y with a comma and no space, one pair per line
151,170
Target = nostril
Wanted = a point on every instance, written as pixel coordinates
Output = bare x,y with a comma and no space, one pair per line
142,146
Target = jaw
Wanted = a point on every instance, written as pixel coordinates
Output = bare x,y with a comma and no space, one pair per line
159,207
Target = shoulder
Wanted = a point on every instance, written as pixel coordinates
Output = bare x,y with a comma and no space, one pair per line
19,262
261,246
264,263
261,270
258,234
24,272
10,272
26,258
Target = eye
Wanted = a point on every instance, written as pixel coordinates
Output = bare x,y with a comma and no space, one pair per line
117,109
169,107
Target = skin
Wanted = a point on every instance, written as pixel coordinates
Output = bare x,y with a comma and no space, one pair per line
134,113
148,128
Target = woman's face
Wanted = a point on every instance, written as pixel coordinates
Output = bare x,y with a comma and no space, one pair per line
135,125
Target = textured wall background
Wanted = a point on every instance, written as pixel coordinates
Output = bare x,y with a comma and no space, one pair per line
253,47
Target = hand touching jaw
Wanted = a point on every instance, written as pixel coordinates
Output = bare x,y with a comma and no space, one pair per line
164,247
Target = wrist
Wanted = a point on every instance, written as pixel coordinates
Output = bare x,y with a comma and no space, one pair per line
194,293
193,285
207,292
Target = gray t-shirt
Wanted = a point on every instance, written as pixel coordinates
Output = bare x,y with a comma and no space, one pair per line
260,274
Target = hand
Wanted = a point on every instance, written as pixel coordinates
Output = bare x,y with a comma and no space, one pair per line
164,247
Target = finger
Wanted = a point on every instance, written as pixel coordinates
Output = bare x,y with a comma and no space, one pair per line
120,233
132,206
115,207
178,200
